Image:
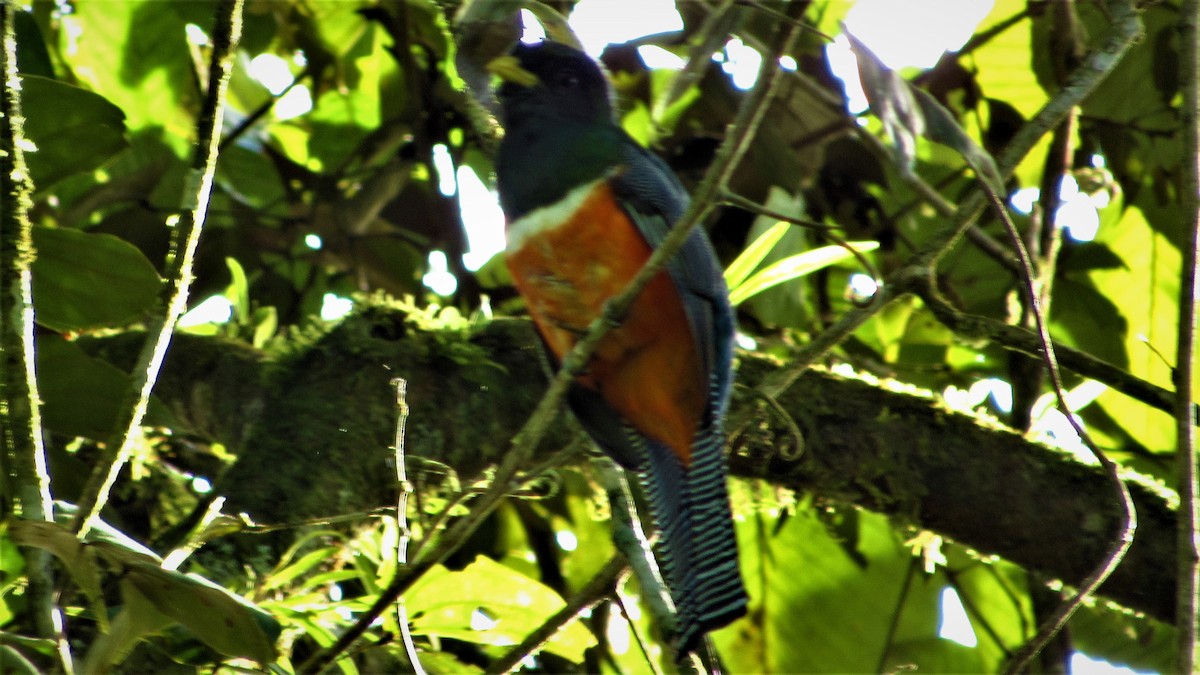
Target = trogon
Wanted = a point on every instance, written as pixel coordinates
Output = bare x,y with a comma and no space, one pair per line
585,206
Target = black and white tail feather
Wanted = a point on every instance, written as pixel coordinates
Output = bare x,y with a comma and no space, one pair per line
696,548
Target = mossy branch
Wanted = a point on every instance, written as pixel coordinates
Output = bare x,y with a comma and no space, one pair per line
27,481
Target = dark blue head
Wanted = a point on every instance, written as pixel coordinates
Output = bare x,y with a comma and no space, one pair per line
567,86
558,125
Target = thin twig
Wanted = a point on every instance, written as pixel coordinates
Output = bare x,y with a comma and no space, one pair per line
712,34
1100,62
173,298
600,587
631,541
930,195
651,662
26,486
406,489
1185,360
261,111
894,622
743,130
774,13
1021,339
1123,538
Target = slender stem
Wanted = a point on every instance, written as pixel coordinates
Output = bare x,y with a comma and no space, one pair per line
631,541
1123,538
1188,570
712,34
261,111
173,299
651,663
1021,339
749,116
770,11
894,623
600,587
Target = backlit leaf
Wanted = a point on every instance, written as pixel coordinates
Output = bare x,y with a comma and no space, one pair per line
796,266
443,603
75,130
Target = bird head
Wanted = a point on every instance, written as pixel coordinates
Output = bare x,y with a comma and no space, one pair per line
550,80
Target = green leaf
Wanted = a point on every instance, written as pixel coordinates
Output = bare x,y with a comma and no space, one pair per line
154,597
1141,87
1000,611
1003,68
754,253
12,563
83,395
250,177
135,53
660,85
15,663
637,123
78,559
908,112
1114,634
940,126
222,620
83,280
443,603
926,341
302,566
109,542
238,291
1003,63
932,655
842,608
786,305
1146,291
794,267
136,619
75,130
32,56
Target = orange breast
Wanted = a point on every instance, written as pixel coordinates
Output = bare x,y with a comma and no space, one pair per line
647,369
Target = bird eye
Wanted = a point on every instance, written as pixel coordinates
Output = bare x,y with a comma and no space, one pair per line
568,80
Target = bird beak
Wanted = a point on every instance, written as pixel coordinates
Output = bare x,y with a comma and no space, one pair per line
508,68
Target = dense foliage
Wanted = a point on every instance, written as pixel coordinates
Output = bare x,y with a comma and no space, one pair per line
263,468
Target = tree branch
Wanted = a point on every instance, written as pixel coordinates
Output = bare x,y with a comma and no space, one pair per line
173,298
1188,562
960,475
26,479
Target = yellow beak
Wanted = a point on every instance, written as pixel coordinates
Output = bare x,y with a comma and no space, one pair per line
508,68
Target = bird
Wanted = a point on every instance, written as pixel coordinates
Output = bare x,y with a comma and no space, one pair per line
585,206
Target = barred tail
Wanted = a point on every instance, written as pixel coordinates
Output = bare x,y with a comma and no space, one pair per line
697,549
